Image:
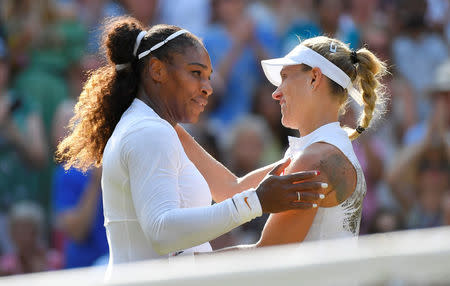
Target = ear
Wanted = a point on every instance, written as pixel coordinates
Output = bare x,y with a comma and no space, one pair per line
157,70
316,78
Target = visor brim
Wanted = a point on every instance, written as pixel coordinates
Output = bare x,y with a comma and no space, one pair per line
273,67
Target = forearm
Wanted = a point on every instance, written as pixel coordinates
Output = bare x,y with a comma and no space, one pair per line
222,182
228,61
252,179
77,222
405,163
177,229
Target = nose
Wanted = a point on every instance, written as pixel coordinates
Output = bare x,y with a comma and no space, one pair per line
207,88
277,94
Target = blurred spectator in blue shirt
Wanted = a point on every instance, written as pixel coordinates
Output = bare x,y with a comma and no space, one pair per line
236,44
330,20
192,15
79,215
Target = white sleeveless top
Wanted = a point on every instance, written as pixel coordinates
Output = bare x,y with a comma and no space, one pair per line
344,219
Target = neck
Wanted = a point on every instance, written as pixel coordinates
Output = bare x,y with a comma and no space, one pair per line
157,105
316,120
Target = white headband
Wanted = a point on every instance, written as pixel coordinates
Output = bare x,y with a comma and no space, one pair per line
304,55
139,38
158,45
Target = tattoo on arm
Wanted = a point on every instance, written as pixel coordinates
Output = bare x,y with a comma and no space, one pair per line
338,171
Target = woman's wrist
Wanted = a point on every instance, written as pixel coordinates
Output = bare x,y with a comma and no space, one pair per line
247,205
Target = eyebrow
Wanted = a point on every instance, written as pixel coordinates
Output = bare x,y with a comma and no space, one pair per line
200,65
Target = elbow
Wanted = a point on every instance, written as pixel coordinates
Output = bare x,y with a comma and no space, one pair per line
162,244
160,247
161,239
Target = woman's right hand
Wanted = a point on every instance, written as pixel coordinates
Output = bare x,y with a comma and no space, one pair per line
280,193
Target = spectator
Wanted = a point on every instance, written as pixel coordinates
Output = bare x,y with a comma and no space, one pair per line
77,207
79,215
91,14
330,20
415,40
236,44
143,10
248,141
439,92
425,171
386,220
57,43
20,123
192,15
27,230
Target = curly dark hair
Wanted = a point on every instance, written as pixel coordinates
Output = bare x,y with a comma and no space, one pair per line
108,92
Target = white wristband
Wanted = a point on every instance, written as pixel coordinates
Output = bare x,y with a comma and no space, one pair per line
247,205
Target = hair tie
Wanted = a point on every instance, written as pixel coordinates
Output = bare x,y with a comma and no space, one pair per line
120,67
360,129
353,57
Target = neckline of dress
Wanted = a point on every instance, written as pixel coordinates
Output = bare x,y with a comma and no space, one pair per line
296,142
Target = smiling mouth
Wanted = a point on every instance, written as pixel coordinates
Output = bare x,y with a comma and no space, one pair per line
200,101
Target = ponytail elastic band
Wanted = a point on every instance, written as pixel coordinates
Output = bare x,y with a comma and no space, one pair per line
120,67
360,129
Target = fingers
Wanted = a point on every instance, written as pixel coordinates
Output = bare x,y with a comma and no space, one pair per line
303,206
278,169
308,197
300,176
307,186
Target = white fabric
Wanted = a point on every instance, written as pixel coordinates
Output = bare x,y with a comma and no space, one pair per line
304,55
120,67
245,201
155,200
137,43
344,219
158,45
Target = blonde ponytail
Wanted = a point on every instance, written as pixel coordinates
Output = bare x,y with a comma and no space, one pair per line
369,70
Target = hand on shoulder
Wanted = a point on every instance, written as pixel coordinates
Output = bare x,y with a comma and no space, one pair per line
335,170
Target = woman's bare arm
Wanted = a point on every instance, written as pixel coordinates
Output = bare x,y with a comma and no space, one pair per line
222,182
335,170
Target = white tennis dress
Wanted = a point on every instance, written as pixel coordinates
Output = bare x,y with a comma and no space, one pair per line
344,219
155,200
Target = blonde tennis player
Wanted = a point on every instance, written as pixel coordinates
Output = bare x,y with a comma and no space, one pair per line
314,82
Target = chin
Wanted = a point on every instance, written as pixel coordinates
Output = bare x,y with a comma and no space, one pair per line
191,119
285,123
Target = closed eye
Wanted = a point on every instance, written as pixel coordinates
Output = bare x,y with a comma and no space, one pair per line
197,73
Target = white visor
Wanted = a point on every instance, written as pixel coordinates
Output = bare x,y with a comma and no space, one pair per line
304,55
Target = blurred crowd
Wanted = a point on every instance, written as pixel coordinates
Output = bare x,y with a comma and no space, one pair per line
52,219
